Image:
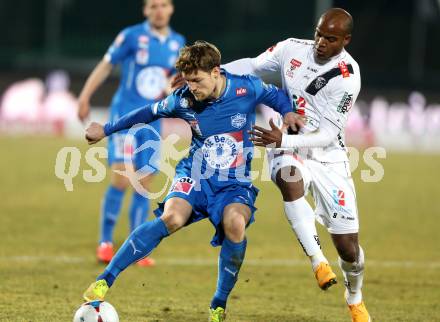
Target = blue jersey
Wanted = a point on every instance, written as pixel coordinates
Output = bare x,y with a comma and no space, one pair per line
220,149
146,60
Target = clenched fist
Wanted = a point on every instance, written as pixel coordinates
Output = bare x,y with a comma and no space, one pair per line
94,133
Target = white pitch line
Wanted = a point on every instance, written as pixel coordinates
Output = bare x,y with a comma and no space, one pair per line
213,262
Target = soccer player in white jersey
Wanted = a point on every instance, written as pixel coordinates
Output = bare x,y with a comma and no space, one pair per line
323,81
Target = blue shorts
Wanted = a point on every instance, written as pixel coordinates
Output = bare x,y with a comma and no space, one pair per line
209,202
123,146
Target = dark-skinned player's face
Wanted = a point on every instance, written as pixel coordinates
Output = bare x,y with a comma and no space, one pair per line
330,38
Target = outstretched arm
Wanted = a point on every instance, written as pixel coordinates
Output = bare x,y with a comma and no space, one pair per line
322,137
96,132
147,114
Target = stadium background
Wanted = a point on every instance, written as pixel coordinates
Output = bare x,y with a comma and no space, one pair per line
48,234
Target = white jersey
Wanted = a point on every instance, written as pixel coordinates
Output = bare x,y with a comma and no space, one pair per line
319,91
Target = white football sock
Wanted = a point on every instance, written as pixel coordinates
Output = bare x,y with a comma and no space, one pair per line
302,220
353,277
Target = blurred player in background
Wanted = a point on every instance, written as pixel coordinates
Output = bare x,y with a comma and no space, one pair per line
147,53
214,180
324,81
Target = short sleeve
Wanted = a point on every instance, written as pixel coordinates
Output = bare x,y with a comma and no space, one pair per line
119,49
165,107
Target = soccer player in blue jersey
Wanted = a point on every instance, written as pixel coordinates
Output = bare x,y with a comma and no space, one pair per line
213,180
147,53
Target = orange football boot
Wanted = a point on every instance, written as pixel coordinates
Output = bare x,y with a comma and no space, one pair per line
325,276
146,262
359,313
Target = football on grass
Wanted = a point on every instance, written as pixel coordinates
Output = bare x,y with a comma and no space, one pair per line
96,312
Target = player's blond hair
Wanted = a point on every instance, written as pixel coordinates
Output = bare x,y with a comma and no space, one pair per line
200,56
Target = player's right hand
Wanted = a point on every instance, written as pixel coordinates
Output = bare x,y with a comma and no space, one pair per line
294,121
94,133
83,109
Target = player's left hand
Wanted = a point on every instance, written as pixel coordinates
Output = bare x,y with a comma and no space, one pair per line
94,133
262,137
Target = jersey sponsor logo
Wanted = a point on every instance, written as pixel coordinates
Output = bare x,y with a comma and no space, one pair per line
184,102
143,41
344,69
241,91
270,49
142,56
341,141
224,151
319,82
174,45
339,197
346,103
183,185
238,120
312,69
302,42
151,82
300,104
289,73
295,63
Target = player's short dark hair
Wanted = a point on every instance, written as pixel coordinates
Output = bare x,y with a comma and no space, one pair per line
200,56
146,2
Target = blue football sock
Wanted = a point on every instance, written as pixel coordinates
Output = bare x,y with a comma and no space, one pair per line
139,244
111,207
230,260
138,210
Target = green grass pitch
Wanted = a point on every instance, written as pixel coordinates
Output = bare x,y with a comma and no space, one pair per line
48,238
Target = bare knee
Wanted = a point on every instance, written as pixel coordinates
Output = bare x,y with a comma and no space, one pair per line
235,228
176,214
235,219
290,183
173,221
348,254
347,247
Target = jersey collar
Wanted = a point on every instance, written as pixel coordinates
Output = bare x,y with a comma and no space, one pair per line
332,59
152,33
227,85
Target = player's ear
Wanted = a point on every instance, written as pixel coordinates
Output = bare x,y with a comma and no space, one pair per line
347,39
216,71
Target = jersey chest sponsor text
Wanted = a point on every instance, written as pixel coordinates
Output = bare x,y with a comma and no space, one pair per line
224,151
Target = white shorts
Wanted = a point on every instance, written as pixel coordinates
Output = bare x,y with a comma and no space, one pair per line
332,189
